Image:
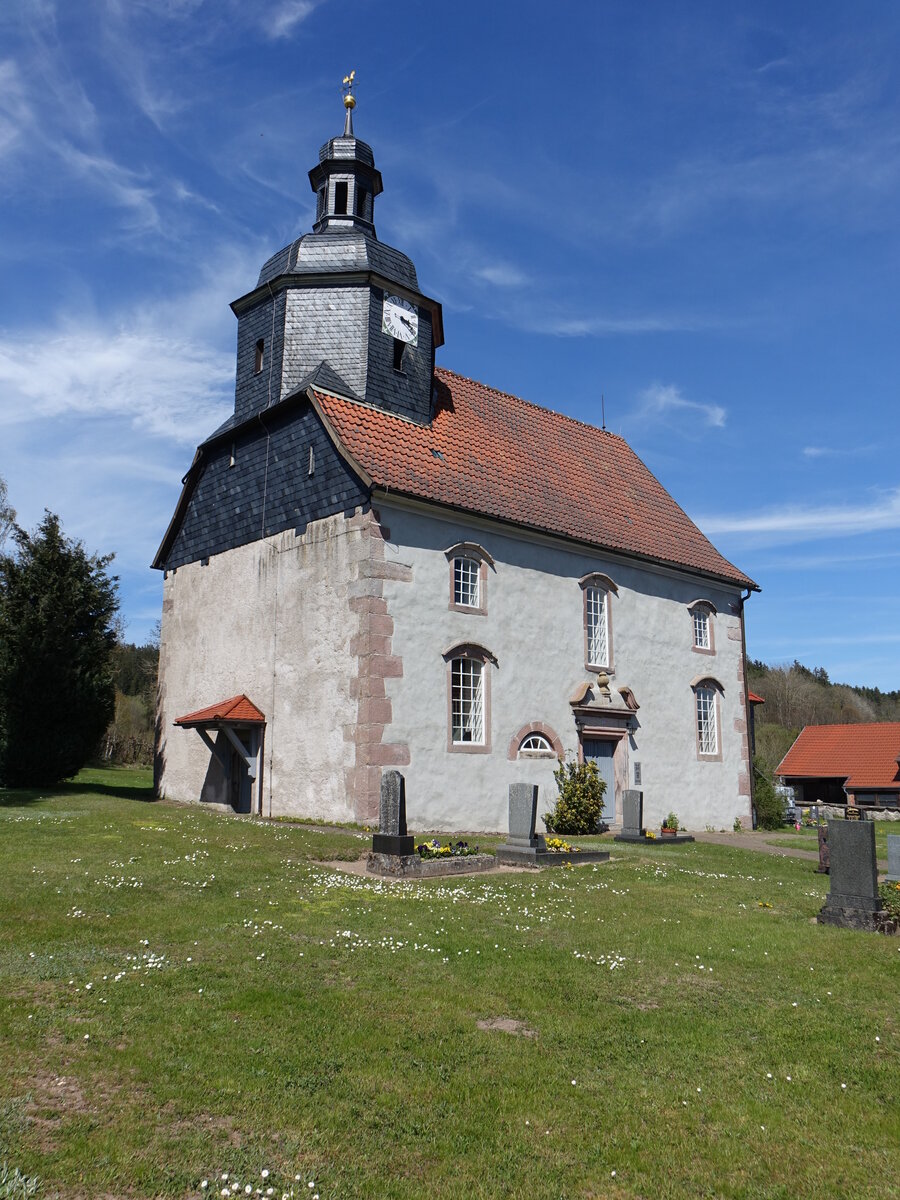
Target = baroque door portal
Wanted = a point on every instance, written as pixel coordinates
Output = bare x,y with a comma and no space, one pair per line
602,753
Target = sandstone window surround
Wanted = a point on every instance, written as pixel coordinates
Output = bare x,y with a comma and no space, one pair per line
702,626
469,698
469,564
534,740
597,590
708,692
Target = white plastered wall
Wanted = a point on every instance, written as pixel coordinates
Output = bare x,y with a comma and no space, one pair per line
270,620
534,628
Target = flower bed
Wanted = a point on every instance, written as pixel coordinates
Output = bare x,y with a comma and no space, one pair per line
558,846
434,849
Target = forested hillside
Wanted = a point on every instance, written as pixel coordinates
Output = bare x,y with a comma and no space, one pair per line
129,738
796,696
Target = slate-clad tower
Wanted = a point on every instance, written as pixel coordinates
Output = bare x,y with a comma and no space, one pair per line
322,300
336,308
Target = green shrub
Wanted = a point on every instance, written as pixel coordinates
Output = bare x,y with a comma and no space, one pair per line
671,822
580,801
769,805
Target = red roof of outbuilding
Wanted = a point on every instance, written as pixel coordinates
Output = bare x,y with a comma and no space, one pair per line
237,711
864,756
491,453
754,699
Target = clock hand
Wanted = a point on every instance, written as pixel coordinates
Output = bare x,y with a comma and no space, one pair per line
406,321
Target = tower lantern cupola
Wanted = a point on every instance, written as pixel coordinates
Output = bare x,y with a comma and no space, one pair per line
345,180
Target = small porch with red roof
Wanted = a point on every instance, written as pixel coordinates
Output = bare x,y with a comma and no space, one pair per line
235,774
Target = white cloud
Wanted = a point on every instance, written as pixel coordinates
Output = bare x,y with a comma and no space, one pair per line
502,275
837,451
284,19
663,399
812,521
166,383
166,368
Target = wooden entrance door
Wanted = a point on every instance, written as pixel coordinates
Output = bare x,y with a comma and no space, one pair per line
603,753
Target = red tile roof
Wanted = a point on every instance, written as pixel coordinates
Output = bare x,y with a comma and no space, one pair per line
236,710
491,453
865,756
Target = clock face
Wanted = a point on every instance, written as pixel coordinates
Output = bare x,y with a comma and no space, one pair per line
400,319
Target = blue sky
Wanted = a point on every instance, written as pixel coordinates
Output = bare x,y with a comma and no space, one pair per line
692,209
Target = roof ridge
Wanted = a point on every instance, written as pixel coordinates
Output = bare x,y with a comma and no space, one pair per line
382,412
850,724
532,404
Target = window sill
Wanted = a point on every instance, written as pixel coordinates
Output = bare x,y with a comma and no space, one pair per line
467,748
467,608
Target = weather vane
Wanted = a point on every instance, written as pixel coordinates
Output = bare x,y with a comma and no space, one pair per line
349,102
347,90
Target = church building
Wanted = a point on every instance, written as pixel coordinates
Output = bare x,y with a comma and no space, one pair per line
376,562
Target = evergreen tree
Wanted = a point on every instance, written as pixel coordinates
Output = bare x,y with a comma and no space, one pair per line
7,512
58,610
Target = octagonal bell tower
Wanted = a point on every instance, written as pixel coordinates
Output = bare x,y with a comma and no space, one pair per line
338,302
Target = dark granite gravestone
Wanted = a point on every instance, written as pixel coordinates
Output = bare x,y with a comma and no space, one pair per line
392,837
822,833
523,799
853,901
893,845
523,847
632,817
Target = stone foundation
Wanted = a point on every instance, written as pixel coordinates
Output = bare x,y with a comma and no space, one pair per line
411,866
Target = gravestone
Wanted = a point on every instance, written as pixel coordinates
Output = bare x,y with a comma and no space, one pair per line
853,900
523,799
392,837
525,848
822,834
893,845
632,817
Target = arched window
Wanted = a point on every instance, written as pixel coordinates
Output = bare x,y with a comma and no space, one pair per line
468,698
707,694
469,563
534,740
702,639
597,590
536,746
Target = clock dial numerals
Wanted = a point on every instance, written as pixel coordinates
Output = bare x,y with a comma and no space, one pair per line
400,320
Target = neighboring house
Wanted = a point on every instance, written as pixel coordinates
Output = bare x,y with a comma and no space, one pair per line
383,564
845,764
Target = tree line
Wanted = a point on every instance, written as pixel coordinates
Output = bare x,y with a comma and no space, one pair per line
70,689
796,695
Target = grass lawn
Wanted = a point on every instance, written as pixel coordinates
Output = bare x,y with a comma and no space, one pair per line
807,839
184,994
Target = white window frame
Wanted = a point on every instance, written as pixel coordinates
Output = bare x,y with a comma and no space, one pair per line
469,698
707,723
467,722
466,582
596,618
536,745
471,601
597,592
707,700
703,635
702,640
